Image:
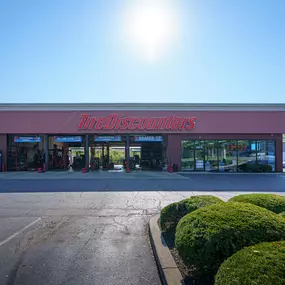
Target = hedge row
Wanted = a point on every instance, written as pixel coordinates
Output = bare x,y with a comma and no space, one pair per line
249,167
171,214
208,236
272,202
262,264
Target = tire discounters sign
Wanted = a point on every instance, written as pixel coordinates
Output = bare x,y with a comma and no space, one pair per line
115,122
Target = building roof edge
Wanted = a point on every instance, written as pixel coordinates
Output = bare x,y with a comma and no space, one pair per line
142,106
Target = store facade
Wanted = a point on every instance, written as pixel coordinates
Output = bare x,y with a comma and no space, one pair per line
193,137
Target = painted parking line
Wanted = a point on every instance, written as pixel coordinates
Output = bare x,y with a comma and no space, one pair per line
19,232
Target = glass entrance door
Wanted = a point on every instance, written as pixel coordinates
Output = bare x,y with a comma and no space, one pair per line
199,156
199,160
211,156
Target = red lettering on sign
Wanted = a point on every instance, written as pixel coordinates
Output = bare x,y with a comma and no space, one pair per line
151,124
184,121
87,122
191,124
92,124
119,122
125,123
142,124
111,122
82,121
100,124
176,124
169,122
133,123
161,123
233,147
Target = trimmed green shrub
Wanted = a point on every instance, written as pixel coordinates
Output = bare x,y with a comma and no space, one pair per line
282,214
272,202
171,214
262,264
208,236
250,167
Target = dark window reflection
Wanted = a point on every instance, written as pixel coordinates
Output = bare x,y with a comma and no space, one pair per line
247,151
226,155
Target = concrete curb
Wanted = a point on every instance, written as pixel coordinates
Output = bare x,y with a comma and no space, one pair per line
169,272
229,173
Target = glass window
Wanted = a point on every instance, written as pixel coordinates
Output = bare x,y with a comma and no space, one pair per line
271,153
226,155
247,152
261,149
227,152
188,155
266,152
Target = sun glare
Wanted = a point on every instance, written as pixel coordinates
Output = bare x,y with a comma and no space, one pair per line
151,27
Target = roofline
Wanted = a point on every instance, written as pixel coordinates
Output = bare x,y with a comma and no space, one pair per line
142,106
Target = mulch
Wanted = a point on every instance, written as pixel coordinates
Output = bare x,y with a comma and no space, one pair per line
190,278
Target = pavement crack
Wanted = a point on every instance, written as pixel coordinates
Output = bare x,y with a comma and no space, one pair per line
83,246
13,273
131,202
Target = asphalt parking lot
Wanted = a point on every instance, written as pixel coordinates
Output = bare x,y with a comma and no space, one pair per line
138,181
86,230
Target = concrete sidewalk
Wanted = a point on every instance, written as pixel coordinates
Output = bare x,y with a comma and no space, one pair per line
90,175
145,175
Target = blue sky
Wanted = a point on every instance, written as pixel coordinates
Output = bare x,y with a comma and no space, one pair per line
73,51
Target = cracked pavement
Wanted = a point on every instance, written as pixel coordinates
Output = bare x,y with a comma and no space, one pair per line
90,237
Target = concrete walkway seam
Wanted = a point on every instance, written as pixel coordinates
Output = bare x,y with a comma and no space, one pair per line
169,272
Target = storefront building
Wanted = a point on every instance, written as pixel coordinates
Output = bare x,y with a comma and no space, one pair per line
193,137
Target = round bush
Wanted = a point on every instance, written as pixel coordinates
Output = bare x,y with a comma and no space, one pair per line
282,214
261,264
208,236
171,214
272,202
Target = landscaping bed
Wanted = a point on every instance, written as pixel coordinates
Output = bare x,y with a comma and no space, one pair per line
187,273
208,232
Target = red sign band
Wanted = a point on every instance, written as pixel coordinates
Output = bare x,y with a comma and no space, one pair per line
121,123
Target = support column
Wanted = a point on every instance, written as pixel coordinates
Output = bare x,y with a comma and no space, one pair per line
87,151
279,153
108,153
128,150
46,151
174,150
3,149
